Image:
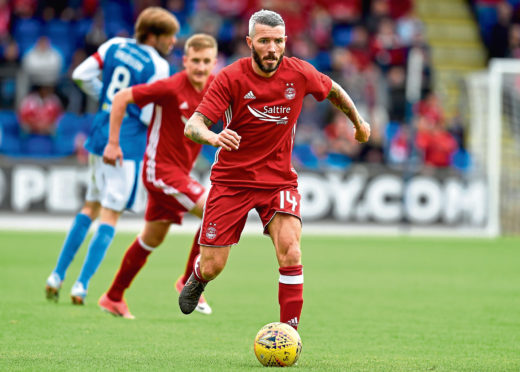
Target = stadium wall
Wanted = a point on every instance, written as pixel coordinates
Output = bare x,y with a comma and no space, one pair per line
363,198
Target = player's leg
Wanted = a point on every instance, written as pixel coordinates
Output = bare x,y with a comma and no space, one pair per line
118,192
134,259
281,217
76,235
195,247
285,232
187,190
96,253
208,265
225,215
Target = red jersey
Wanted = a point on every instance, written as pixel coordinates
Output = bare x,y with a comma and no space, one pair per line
175,99
263,111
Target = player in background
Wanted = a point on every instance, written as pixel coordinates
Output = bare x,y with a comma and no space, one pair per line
260,98
168,161
122,62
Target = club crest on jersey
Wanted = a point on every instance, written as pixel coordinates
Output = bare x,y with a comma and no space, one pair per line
267,114
211,232
290,92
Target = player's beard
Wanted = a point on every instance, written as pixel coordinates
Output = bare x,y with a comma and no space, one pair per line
258,61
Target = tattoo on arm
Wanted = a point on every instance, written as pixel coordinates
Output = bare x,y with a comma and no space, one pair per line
197,128
339,98
205,119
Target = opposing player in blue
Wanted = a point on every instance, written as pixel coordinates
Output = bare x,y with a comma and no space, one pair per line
122,62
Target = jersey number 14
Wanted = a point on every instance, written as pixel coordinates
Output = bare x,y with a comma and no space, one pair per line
286,197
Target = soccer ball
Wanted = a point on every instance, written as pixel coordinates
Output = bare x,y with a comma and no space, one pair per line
278,345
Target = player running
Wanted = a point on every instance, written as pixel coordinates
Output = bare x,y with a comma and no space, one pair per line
122,62
260,98
168,160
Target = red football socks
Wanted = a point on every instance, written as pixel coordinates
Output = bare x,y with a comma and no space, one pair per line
195,250
133,260
290,294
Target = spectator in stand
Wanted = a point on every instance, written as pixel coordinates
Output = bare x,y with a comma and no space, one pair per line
379,10
436,144
5,19
386,47
43,63
340,136
24,8
499,34
514,41
431,109
396,104
39,111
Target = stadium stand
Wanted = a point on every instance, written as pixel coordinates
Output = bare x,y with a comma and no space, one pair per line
364,45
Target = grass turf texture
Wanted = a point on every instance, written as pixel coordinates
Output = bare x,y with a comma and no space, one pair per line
371,304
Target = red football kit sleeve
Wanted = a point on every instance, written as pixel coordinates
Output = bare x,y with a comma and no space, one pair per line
263,111
169,155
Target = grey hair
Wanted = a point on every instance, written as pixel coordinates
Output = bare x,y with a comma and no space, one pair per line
265,17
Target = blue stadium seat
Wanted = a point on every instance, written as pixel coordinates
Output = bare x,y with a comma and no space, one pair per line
341,35
62,38
338,161
26,32
36,145
81,29
69,123
10,143
9,121
323,60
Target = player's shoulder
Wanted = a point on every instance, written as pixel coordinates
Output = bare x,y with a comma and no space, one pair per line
237,68
294,63
116,41
161,65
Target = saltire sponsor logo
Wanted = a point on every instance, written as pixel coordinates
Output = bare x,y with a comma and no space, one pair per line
266,115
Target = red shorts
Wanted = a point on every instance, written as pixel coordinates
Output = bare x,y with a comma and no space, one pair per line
169,198
226,210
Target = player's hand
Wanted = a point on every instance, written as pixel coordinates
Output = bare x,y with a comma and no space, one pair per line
362,132
112,154
228,139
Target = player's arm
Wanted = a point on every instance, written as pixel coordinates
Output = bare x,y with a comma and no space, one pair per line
197,129
339,98
113,152
86,77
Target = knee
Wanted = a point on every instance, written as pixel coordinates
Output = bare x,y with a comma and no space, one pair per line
152,241
290,254
91,210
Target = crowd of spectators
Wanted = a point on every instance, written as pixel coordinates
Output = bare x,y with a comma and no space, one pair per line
362,44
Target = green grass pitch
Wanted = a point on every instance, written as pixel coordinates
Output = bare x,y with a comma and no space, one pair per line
371,304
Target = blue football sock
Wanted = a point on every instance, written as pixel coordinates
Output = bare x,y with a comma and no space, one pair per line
96,252
72,242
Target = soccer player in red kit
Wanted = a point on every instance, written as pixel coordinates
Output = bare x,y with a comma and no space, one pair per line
259,99
168,160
